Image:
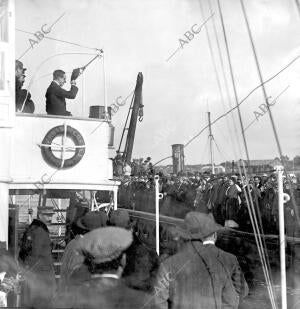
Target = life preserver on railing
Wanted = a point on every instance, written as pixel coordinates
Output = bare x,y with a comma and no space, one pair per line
71,133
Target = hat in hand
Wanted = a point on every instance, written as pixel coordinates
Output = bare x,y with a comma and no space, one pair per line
104,244
76,73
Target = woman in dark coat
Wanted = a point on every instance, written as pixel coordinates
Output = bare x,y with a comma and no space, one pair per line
35,255
232,203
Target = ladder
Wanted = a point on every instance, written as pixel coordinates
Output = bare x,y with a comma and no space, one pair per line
57,227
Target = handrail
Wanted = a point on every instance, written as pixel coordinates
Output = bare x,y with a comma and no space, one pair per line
174,221
60,117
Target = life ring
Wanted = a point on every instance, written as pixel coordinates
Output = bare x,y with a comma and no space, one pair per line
71,133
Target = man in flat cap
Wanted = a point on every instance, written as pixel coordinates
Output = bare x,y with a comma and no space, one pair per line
103,250
200,275
72,260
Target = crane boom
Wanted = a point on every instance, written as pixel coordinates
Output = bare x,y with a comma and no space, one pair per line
136,109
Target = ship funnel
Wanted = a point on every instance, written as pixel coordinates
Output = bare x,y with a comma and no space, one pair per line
178,158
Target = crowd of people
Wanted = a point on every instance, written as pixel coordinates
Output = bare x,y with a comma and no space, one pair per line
107,264
226,196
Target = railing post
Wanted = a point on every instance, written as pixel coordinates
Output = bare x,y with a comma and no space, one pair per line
282,198
158,196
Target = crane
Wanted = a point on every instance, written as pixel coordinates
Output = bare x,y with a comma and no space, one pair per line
135,113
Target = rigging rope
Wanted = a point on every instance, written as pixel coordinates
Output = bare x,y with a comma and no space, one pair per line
215,69
204,150
59,40
225,84
56,21
274,101
298,6
233,81
235,131
245,98
255,227
257,235
268,106
37,69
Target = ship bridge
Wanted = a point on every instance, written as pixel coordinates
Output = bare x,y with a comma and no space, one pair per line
43,153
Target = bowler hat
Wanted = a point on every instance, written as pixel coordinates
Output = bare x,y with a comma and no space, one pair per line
92,220
198,225
120,218
104,244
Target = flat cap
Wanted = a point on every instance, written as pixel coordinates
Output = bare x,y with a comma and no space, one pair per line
105,244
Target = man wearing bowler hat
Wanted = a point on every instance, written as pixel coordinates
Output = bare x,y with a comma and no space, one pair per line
200,275
72,260
103,250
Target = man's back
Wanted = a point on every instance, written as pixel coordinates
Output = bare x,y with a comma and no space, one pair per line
102,292
195,278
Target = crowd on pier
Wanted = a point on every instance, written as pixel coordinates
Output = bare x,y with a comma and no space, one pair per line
226,196
108,264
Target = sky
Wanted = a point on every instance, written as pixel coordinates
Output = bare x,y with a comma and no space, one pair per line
180,83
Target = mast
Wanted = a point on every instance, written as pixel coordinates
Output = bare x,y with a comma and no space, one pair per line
210,136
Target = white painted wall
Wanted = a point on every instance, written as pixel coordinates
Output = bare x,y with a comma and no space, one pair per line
28,165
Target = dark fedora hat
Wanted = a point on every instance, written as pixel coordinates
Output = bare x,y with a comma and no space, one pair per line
92,220
197,225
120,218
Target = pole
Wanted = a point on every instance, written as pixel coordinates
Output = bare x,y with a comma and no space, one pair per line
282,238
83,96
104,86
157,197
210,145
298,6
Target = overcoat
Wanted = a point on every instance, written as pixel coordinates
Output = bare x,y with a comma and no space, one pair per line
202,277
108,293
35,253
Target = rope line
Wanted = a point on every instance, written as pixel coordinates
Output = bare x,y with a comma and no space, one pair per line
279,148
215,68
37,69
231,134
56,21
59,40
274,101
233,81
245,98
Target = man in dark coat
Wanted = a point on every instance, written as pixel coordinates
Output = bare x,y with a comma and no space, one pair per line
103,250
141,260
24,102
71,260
23,97
200,275
56,96
35,255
